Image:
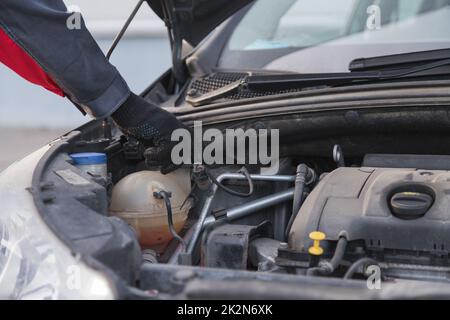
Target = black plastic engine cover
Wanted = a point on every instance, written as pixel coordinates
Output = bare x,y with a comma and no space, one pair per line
357,201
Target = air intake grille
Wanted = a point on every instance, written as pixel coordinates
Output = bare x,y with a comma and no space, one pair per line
219,80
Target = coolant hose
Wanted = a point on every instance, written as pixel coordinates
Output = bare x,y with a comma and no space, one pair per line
299,189
357,264
328,267
300,182
166,197
245,172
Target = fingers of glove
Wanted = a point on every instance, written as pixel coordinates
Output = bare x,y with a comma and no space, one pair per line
169,168
154,157
153,154
159,157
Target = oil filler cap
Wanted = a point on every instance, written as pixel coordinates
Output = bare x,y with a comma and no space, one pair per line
410,205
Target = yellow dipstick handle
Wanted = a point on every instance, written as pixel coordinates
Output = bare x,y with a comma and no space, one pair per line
316,236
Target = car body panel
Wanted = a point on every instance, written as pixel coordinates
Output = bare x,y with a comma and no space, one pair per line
27,242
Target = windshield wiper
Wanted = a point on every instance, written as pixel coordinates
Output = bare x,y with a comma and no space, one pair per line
381,68
397,61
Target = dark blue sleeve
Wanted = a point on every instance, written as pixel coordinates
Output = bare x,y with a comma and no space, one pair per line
60,44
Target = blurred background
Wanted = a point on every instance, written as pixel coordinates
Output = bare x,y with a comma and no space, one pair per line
31,116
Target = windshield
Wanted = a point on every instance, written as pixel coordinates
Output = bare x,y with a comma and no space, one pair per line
320,36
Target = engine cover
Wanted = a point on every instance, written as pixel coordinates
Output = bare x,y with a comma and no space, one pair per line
359,202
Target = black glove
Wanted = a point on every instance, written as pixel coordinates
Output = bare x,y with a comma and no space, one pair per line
160,157
152,126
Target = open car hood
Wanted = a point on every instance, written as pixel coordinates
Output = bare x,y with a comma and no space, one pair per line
193,20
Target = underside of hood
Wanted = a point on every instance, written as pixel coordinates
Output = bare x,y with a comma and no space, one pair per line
193,20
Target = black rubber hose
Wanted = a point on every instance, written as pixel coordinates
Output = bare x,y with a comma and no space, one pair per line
338,254
357,264
245,172
328,268
313,271
300,182
299,189
166,197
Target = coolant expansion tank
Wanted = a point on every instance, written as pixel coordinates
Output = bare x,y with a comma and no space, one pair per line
133,201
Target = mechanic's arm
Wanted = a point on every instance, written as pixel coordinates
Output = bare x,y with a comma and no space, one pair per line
37,43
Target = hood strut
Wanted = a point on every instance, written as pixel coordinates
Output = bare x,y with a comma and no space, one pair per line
124,29
176,41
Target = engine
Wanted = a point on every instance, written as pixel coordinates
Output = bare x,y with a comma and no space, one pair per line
397,217
319,223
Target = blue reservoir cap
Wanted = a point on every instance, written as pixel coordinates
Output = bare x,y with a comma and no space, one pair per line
88,158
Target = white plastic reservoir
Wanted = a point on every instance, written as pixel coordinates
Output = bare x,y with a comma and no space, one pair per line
133,201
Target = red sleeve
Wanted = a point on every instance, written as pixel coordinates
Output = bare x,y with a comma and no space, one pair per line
16,58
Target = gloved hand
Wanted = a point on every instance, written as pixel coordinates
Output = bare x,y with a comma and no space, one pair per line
152,126
159,157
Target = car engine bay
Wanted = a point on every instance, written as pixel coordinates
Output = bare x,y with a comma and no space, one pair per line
327,215
361,216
